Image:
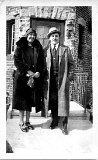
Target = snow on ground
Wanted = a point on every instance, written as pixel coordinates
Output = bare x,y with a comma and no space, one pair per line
43,143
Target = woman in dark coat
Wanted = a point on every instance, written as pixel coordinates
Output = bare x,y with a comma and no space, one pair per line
28,81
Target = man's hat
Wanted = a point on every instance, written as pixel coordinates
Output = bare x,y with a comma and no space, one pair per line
52,31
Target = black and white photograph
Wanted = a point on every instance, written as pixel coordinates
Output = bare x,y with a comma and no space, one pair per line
50,91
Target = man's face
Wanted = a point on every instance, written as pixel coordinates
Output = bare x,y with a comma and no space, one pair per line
31,37
54,38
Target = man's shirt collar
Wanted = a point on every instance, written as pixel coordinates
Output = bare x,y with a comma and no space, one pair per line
56,46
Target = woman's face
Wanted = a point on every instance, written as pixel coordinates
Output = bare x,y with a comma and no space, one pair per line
30,37
54,38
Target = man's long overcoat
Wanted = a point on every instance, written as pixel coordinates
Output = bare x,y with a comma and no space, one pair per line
65,75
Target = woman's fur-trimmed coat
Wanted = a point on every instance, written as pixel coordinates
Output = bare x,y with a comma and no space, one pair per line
24,96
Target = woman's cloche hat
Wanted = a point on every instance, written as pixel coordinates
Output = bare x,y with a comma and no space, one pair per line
53,30
30,30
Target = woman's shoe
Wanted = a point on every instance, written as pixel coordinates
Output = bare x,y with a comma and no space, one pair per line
23,127
29,125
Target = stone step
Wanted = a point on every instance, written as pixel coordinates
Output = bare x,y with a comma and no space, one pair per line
72,115
76,112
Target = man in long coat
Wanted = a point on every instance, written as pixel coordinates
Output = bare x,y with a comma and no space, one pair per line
59,72
28,80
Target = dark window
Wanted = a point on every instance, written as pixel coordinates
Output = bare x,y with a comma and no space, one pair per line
81,41
10,35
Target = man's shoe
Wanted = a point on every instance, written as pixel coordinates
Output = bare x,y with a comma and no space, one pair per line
53,125
65,131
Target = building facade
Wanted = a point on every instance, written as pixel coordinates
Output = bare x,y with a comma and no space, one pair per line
75,25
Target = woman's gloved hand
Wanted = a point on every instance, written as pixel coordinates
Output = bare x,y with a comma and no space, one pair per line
30,73
37,74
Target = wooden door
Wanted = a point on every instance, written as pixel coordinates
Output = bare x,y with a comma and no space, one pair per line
42,27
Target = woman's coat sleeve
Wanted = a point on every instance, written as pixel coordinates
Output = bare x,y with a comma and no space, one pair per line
18,61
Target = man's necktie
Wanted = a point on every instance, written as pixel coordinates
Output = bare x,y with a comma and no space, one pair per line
54,51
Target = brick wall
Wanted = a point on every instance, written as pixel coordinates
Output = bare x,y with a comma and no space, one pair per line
9,71
85,14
